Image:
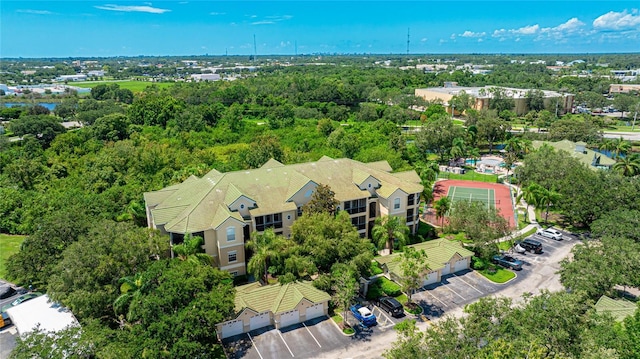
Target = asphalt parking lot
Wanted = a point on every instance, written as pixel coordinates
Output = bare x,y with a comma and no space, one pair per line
305,340
453,291
538,271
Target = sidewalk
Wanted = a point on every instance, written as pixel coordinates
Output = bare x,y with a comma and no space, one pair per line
531,216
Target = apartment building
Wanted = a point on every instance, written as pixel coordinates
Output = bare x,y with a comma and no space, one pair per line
225,208
482,96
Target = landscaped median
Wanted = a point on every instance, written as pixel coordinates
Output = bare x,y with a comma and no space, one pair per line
492,272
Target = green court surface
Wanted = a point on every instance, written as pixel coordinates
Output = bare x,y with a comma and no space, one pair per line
483,195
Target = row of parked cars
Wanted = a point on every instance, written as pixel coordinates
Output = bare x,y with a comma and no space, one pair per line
366,317
526,245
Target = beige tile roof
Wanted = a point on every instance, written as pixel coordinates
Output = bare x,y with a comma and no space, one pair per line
439,251
276,298
618,308
201,203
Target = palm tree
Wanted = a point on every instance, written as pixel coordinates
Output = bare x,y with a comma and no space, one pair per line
514,145
628,166
621,147
388,230
529,195
428,173
191,250
475,154
442,206
607,145
547,197
130,288
458,148
265,247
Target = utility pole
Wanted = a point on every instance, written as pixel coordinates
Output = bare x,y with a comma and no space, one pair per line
255,49
408,40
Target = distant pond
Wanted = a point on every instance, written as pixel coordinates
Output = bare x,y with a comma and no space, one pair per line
49,105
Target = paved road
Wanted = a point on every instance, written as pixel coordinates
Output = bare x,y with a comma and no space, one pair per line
629,136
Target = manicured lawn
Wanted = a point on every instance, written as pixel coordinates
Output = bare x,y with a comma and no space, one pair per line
134,86
471,176
500,276
337,318
8,246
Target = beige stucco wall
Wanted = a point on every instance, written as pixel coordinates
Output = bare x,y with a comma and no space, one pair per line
299,197
432,95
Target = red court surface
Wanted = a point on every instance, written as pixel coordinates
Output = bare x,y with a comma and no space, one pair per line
502,194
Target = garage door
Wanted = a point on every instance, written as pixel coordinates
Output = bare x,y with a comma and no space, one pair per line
447,268
461,265
260,321
231,328
289,318
315,311
430,278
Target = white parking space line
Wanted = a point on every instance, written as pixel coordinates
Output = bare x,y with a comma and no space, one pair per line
285,343
314,338
469,284
254,345
387,320
454,292
436,298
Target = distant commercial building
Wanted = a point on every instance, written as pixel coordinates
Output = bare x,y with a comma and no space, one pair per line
79,77
483,96
205,77
95,73
623,88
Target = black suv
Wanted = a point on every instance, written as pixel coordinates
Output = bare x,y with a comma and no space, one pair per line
392,306
530,245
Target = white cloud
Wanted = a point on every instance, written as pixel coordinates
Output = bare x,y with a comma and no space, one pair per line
269,20
527,30
127,8
572,25
472,34
424,39
618,20
217,13
263,22
35,12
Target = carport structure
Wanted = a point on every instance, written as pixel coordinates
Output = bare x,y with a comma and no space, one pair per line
444,257
259,306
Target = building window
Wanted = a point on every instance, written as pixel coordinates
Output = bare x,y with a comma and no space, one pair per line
396,203
231,234
288,217
369,185
411,200
308,194
299,211
233,256
270,220
234,273
356,206
410,215
242,206
359,222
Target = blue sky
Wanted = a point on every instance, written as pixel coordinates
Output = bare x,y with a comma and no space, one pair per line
115,27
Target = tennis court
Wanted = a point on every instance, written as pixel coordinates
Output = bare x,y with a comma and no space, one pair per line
487,196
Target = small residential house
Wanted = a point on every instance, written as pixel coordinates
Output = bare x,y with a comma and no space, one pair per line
225,208
444,257
259,306
578,150
618,308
